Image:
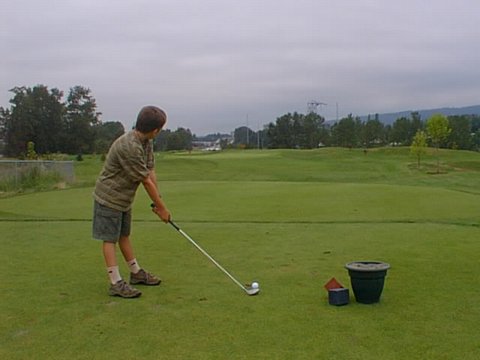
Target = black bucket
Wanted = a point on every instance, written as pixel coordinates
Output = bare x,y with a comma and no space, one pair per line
367,278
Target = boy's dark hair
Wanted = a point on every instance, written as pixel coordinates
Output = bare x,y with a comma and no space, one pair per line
150,118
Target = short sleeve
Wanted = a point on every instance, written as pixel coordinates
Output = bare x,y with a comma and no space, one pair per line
135,165
150,155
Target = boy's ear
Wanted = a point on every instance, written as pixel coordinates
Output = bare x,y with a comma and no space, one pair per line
154,133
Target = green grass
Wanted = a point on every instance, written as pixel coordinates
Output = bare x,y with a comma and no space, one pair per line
289,219
30,181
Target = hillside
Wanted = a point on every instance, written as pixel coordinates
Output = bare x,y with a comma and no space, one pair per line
389,118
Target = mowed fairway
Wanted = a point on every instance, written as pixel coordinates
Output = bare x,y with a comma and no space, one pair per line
288,219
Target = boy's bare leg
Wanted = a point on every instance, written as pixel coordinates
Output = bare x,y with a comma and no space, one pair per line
109,254
119,287
109,251
128,254
126,248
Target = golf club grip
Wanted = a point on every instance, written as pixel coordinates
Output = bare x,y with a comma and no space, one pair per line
152,205
174,225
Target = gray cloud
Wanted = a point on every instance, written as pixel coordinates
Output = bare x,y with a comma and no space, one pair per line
213,64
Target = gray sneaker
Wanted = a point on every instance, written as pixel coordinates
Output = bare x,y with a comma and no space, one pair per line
122,289
145,278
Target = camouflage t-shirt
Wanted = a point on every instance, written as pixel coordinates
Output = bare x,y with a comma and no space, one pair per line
128,162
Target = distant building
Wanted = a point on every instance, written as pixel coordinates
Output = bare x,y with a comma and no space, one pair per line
212,144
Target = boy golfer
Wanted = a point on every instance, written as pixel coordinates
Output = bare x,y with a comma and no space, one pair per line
129,163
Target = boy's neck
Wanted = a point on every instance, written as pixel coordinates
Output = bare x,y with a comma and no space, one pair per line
141,136
144,137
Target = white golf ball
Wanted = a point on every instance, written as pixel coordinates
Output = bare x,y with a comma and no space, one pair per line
255,285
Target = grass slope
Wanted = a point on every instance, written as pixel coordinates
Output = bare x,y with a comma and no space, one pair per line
289,219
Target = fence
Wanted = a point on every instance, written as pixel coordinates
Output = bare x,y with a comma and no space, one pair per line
14,170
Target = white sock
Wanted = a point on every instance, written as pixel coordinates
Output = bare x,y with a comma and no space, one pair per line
133,266
114,274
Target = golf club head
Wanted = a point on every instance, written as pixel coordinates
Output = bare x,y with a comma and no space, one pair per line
251,291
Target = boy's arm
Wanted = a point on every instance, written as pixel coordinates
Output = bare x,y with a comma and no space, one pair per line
150,185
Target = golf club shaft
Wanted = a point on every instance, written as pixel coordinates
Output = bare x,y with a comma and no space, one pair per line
206,254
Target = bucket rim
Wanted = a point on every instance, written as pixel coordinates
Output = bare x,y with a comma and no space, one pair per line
367,266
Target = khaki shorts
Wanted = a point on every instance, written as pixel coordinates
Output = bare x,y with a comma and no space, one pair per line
109,224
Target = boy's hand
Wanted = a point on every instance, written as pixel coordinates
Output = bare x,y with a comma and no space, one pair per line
162,213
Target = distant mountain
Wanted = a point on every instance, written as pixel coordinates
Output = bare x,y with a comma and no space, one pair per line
389,118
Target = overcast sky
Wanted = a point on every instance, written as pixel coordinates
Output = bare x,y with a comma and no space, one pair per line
215,65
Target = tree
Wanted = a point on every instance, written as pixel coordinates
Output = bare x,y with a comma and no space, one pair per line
161,141
80,119
245,136
401,131
344,132
417,124
180,139
475,120
39,115
460,136
105,134
284,134
280,134
404,129
438,130
4,115
36,115
387,133
419,145
312,130
295,131
373,133
31,153
476,140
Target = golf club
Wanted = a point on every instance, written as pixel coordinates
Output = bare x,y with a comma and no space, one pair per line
249,290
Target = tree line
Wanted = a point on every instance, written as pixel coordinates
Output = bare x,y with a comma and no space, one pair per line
42,120
294,130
